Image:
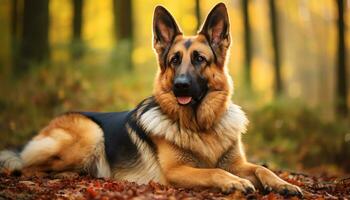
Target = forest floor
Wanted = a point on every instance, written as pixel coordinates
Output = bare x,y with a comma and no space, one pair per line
83,187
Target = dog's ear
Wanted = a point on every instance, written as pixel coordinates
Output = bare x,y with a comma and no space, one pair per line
165,30
216,29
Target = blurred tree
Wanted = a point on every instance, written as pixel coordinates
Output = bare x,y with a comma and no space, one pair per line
124,28
77,43
275,47
14,30
34,45
341,98
198,13
247,43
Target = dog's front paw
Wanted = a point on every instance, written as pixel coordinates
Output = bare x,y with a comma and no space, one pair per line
271,182
243,185
285,189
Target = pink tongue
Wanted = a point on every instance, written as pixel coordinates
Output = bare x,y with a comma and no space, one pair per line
184,100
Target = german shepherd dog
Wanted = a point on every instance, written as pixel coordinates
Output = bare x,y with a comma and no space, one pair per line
187,134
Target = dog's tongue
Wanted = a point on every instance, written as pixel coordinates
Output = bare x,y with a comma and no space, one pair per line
184,100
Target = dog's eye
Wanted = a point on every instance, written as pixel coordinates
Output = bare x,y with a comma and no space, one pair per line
199,59
175,60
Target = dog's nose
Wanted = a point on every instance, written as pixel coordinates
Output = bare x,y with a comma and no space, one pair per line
182,82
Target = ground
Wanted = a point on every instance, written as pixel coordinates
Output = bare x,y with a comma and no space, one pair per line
84,187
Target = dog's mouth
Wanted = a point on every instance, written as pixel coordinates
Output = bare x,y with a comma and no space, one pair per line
184,100
187,99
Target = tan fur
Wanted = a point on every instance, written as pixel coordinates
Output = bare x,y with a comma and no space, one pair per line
69,142
181,170
263,177
215,102
209,145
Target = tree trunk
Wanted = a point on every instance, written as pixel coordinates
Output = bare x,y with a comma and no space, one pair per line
14,32
124,29
35,33
341,98
275,47
198,13
77,43
247,43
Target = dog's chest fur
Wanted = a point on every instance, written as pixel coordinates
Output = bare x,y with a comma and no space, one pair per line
209,146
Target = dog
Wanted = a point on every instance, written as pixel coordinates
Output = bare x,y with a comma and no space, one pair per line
187,134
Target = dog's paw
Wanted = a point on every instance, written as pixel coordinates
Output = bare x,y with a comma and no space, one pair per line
287,189
272,182
237,184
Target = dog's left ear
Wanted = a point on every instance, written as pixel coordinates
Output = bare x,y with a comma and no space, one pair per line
216,29
165,30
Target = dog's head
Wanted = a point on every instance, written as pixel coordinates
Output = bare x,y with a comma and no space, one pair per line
191,68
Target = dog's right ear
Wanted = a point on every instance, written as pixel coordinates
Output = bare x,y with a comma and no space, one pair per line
165,30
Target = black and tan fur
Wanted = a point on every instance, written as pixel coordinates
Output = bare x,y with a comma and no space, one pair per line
192,145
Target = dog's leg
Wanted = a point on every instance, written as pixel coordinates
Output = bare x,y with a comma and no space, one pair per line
260,176
179,169
70,142
268,180
189,177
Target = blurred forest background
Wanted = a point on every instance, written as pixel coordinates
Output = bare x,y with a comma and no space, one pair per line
289,61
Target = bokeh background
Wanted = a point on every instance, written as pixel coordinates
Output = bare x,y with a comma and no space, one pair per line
289,61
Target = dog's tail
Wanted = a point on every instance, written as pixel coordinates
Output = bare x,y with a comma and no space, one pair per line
10,161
